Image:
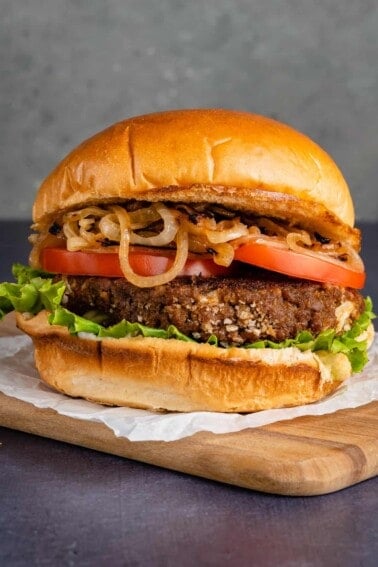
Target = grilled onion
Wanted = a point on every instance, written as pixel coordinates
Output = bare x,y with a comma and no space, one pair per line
149,281
164,237
353,260
192,228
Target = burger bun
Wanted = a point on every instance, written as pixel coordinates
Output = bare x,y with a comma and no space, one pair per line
169,374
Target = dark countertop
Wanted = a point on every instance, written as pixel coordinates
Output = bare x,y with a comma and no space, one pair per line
65,505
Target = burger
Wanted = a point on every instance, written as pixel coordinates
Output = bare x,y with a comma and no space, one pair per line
194,260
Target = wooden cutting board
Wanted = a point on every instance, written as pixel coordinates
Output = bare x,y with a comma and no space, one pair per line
302,457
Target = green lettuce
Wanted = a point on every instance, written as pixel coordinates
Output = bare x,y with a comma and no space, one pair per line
77,324
328,340
35,290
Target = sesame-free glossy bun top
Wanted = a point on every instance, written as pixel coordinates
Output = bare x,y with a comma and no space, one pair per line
150,156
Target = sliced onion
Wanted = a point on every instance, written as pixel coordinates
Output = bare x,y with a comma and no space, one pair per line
200,227
82,213
86,224
274,241
224,254
354,261
87,228
293,238
85,231
76,243
160,279
69,231
272,226
40,241
198,244
109,227
149,281
222,234
164,237
144,216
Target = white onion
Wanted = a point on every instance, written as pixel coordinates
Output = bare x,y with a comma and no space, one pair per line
272,226
109,227
200,228
87,228
86,223
354,261
83,213
273,241
76,243
159,279
219,236
143,217
224,254
69,231
164,237
149,281
293,238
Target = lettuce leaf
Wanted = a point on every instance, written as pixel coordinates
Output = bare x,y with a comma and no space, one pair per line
35,290
328,340
77,324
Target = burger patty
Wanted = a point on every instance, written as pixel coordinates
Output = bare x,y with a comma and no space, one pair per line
236,310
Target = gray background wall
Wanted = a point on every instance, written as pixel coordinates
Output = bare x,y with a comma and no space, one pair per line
68,68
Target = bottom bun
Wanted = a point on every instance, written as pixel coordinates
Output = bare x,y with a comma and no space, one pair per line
168,374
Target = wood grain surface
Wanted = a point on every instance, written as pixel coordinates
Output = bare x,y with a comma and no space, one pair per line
301,457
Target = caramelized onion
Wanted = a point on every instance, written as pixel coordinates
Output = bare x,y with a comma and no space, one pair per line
224,254
76,243
143,217
109,227
82,213
200,226
195,228
40,241
353,261
272,226
293,239
164,237
226,231
149,281
274,241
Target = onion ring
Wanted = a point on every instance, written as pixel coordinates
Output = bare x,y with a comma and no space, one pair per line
149,281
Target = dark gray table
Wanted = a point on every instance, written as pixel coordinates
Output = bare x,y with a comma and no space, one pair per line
64,505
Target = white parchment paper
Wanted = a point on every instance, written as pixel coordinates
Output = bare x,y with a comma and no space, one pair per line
19,379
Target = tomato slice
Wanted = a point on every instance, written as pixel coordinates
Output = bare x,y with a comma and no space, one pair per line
143,261
151,262
298,265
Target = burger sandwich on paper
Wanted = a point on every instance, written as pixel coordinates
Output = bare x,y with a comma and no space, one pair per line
194,260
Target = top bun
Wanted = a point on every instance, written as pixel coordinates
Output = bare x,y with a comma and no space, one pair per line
229,156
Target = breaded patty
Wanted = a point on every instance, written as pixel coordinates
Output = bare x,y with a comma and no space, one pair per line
236,310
